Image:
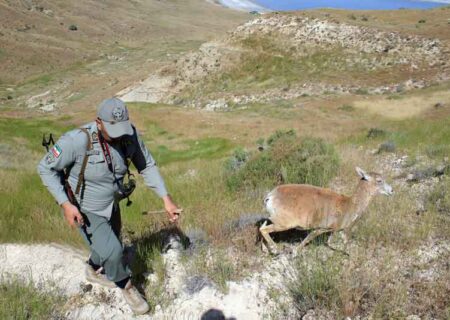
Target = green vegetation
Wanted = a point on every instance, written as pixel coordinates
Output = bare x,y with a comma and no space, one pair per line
197,149
30,131
22,301
29,213
416,136
218,268
274,63
317,287
287,159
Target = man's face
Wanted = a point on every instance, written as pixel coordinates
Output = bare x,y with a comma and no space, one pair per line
103,132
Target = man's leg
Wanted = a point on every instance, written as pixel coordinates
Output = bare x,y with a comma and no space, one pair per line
106,249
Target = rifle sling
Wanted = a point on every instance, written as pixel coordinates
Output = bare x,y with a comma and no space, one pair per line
85,160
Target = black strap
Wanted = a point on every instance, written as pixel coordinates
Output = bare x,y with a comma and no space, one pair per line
84,164
106,154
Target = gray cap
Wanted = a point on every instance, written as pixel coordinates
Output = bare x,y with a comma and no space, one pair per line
114,114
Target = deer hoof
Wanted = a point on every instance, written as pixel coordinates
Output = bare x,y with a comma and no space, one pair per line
274,251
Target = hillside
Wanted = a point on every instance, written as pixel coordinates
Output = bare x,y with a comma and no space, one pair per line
115,42
285,56
232,105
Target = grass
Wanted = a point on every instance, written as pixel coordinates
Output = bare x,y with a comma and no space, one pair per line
207,148
414,136
287,159
29,213
267,62
30,131
22,301
192,157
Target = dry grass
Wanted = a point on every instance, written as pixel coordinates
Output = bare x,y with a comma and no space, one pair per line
403,107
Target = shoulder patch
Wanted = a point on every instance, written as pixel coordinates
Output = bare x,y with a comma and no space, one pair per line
56,150
50,158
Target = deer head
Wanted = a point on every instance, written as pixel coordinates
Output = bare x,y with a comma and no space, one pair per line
376,182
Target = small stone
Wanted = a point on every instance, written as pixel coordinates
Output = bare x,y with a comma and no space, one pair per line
85,287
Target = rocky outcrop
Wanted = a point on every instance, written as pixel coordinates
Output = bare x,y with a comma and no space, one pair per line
301,32
362,47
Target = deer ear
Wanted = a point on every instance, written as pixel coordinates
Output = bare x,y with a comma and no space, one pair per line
362,173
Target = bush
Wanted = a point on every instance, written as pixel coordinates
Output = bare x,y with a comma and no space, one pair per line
73,27
316,286
375,133
286,160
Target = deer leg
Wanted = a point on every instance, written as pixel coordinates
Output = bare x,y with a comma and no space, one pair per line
313,234
265,230
333,248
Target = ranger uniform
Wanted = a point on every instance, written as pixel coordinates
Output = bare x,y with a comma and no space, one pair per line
98,194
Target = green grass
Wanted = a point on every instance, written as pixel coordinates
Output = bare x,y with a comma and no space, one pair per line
30,131
207,148
287,159
19,301
28,211
414,136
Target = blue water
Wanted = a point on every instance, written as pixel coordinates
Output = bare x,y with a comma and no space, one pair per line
347,4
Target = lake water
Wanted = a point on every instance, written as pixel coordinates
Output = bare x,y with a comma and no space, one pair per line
348,4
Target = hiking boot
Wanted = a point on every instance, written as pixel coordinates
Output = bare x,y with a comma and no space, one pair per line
98,277
134,299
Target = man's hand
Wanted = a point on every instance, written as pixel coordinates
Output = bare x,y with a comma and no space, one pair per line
171,208
72,215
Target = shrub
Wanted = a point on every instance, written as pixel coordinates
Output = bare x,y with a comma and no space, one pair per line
439,197
73,27
346,107
316,286
375,133
387,146
286,160
237,160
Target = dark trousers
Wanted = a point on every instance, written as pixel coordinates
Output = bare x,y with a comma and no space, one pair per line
102,235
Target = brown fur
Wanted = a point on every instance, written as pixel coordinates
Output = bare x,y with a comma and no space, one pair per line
319,209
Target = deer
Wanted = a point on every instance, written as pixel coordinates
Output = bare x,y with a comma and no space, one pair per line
320,210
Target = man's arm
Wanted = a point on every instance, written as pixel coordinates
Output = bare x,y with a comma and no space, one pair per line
50,168
146,166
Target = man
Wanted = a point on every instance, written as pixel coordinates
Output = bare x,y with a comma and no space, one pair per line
99,151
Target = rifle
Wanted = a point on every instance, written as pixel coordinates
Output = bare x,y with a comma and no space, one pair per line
46,143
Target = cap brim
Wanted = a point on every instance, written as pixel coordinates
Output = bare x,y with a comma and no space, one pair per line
118,129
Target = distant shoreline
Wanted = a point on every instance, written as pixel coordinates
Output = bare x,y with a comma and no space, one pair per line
290,5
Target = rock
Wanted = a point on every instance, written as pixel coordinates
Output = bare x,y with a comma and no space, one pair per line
387,146
413,317
48,107
48,12
216,105
429,172
86,287
196,283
